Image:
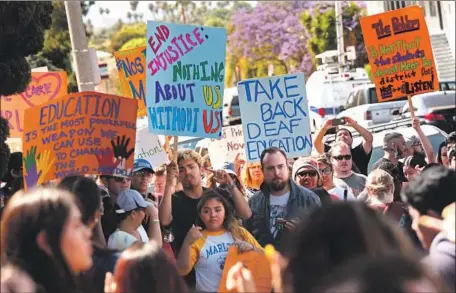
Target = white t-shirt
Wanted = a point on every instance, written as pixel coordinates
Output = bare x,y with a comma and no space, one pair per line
339,192
121,240
278,209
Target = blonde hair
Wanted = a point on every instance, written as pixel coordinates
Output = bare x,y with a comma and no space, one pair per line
246,179
379,183
190,155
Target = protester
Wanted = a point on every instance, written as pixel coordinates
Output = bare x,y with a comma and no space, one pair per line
144,267
131,215
305,173
361,153
281,197
451,139
342,160
413,165
88,197
421,146
390,273
13,179
206,245
177,210
229,169
252,176
452,157
143,173
329,237
442,155
326,171
427,196
159,182
43,236
394,148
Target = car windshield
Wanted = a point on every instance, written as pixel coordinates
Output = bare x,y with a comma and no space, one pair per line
377,152
235,100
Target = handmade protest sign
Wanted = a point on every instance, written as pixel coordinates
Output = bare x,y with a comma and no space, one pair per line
228,147
274,113
400,53
43,87
255,261
80,133
131,65
150,148
185,79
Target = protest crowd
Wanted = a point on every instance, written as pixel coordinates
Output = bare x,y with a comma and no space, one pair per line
311,215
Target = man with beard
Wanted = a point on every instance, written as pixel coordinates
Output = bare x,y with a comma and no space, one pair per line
395,149
178,211
277,205
341,160
361,153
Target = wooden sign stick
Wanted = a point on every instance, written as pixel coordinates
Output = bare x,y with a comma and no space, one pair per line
412,110
175,148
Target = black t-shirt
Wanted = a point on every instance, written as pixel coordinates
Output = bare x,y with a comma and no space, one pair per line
360,158
398,176
108,219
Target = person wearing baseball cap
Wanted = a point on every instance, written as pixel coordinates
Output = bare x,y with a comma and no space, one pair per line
131,211
143,173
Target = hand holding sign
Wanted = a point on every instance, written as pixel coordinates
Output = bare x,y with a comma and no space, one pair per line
31,173
240,279
44,164
120,149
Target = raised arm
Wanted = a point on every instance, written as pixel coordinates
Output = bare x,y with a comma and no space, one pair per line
318,140
165,208
365,134
427,146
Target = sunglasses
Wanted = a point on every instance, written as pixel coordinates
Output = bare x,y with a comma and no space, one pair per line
325,171
309,173
343,157
142,174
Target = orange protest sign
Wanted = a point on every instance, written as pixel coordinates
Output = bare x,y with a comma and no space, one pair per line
400,53
80,133
132,74
255,261
43,87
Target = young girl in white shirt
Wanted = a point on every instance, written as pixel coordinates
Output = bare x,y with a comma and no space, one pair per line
205,247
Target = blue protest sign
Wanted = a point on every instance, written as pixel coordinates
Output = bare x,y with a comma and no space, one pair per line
274,112
185,79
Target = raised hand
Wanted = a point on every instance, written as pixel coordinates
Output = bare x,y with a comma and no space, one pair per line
44,164
222,177
107,159
121,148
240,279
30,158
193,234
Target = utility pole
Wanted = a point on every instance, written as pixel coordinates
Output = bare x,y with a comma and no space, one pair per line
80,52
340,36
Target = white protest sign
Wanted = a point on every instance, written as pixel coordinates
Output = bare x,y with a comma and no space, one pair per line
226,149
150,148
274,113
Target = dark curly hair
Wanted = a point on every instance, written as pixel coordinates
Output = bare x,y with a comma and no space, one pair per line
4,148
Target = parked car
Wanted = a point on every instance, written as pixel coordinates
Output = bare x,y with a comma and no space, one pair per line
435,135
362,105
447,85
435,108
231,111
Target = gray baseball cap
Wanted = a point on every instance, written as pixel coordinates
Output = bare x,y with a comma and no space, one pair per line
129,200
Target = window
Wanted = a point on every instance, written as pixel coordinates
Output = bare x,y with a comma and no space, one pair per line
351,100
373,95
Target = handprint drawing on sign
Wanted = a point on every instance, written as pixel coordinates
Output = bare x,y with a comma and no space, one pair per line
44,164
107,160
120,149
31,172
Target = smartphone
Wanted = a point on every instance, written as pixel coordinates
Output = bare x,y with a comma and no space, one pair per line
338,121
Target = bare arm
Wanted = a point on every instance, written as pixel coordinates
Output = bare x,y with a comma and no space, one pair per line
154,231
427,146
366,135
240,204
183,259
165,208
318,140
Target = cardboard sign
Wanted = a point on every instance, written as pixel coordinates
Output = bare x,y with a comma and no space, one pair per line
226,149
150,148
256,262
400,53
185,79
43,87
14,144
131,65
274,113
80,133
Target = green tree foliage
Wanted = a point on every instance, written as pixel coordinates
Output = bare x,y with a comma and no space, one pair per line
133,43
320,24
127,33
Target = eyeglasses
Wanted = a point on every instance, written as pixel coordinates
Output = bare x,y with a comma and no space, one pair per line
142,174
325,171
310,173
343,157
